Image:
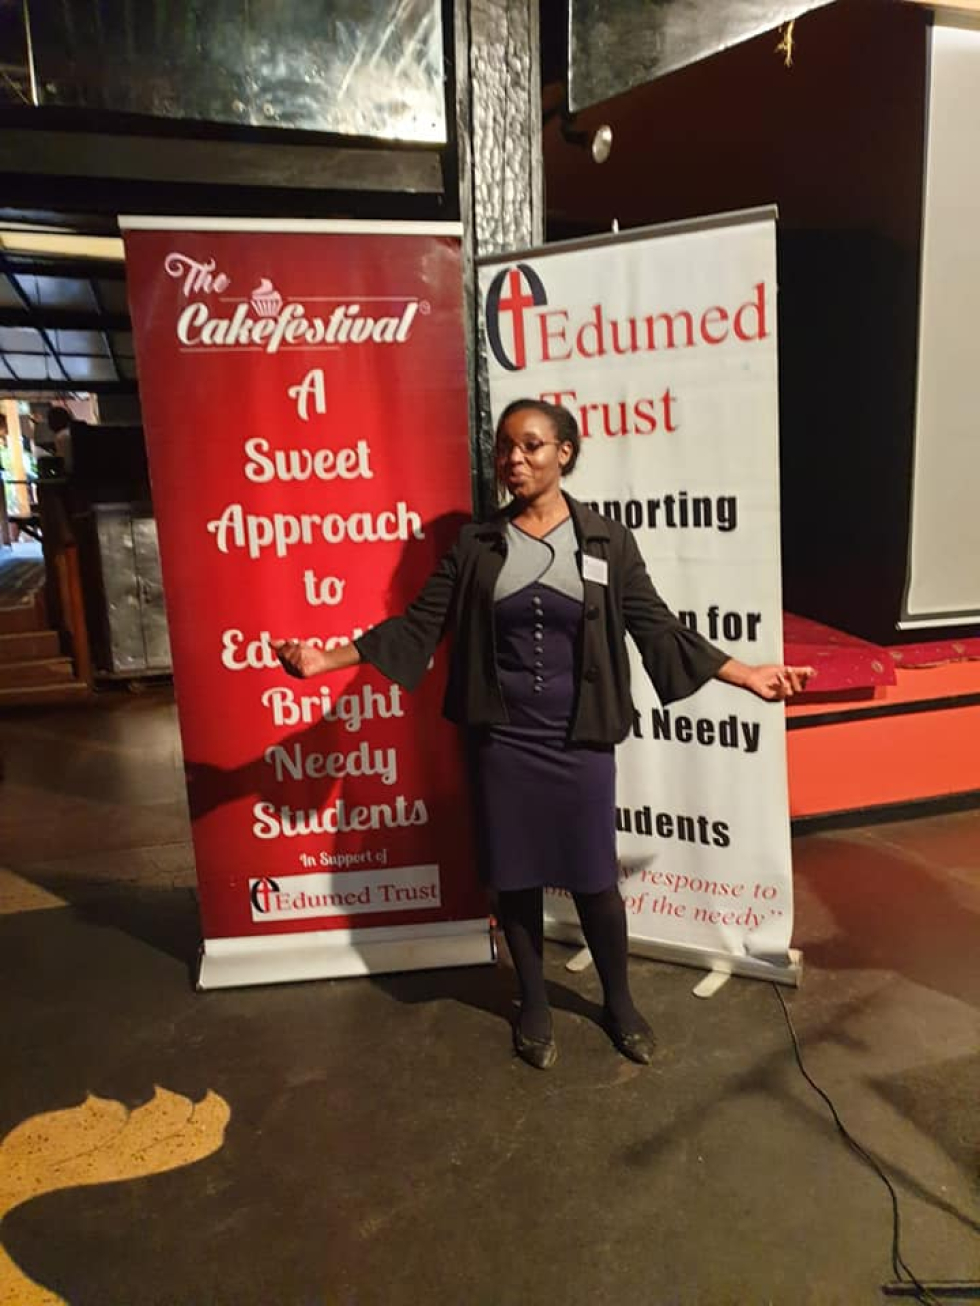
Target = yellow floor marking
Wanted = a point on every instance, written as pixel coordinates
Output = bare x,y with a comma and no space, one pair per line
18,894
99,1142
17,1289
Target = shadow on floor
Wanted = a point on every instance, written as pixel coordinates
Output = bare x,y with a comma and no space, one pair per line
891,913
941,1100
164,918
773,1077
492,989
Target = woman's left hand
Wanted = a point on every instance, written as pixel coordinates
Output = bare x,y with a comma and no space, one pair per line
777,682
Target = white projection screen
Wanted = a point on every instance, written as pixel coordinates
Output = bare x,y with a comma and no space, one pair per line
943,581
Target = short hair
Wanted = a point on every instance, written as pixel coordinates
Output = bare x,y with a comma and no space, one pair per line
59,419
566,427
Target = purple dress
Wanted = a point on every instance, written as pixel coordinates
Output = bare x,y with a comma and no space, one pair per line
545,807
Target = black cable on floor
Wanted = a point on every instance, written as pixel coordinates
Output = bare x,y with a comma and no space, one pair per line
898,1263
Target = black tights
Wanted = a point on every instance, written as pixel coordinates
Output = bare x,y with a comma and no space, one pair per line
603,918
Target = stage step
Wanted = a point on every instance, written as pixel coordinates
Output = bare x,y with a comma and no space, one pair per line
72,691
29,644
32,668
895,748
36,671
28,615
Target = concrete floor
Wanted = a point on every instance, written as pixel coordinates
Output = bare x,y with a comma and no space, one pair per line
384,1148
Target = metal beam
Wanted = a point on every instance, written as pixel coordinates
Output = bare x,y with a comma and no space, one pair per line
33,385
79,269
64,319
58,219
93,155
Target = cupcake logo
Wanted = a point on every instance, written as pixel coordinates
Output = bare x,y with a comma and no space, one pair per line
266,300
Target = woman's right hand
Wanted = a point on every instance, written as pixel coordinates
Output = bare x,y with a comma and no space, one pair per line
303,660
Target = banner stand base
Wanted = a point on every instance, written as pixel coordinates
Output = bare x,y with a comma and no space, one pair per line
335,954
790,972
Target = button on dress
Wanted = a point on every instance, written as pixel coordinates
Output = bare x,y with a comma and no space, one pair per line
545,807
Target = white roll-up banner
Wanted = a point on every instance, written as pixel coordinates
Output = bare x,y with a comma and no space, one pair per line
662,342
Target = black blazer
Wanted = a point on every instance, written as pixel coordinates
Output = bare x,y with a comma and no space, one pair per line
459,594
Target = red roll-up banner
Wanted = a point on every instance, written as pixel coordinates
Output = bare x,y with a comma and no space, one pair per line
304,394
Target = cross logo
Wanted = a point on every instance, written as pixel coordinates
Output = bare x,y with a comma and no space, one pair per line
508,297
260,892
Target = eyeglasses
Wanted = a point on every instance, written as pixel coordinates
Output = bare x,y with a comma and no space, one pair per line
529,448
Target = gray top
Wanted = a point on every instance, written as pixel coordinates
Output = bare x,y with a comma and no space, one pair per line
550,561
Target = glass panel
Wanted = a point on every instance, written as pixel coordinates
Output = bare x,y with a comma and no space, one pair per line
21,340
57,292
37,367
78,342
15,82
127,369
618,44
88,369
357,67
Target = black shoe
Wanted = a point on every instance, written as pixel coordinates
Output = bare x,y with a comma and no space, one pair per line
541,1053
639,1046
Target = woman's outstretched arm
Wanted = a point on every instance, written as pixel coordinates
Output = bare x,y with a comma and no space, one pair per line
773,683
306,660
399,647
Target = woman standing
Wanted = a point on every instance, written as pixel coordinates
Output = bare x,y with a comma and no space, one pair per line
541,599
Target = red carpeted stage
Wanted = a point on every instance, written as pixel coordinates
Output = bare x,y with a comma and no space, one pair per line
882,729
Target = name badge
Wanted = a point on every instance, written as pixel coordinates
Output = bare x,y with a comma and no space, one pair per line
596,569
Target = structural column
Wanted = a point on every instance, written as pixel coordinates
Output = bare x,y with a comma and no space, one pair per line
499,136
